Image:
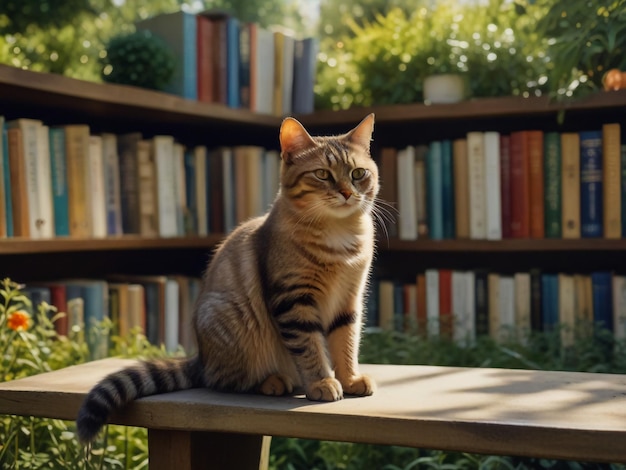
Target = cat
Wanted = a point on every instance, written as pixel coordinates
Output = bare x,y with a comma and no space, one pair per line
282,300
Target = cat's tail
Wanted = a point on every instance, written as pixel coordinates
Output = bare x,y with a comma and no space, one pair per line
122,387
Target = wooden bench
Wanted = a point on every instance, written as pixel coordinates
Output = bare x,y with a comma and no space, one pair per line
562,415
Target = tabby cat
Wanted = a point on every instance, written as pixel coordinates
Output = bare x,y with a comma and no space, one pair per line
281,304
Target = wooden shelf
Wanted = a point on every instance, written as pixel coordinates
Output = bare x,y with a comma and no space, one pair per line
17,246
503,246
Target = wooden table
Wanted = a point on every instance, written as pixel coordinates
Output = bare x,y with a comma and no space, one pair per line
562,415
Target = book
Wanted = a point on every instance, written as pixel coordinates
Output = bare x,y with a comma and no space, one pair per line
520,185
204,60
60,190
389,189
95,183
446,318
220,201
434,190
407,226
172,313
182,214
127,148
228,184
45,222
283,73
261,70
493,210
461,188
77,158
58,298
602,284
191,209
567,309
570,185
432,303
549,301
552,185
619,307
505,185
481,300
611,184
147,189
233,62
536,184
385,304
522,313
164,161
591,185
422,315
271,178
179,31
507,308
447,190
4,192
6,175
304,68
200,187
536,300
245,58
112,184
421,198
476,174
493,305
463,307
17,174
623,187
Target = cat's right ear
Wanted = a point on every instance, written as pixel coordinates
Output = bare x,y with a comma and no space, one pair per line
293,139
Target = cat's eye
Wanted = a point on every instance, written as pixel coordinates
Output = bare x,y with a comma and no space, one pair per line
322,174
358,173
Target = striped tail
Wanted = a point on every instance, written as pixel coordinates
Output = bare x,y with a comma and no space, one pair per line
122,387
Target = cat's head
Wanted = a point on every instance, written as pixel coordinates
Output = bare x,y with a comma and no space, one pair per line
328,176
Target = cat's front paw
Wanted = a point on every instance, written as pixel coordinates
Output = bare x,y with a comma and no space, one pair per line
359,385
328,389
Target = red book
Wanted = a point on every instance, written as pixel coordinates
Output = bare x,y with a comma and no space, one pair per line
204,47
58,298
445,303
520,185
505,184
536,183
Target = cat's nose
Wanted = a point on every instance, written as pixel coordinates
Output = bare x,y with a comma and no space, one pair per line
345,193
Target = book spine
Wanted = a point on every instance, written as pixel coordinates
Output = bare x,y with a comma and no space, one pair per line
536,184
492,186
611,155
434,187
232,63
447,190
623,187
461,189
190,59
407,229
570,185
520,186
477,202
552,183
59,182
601,282
591,184
505,185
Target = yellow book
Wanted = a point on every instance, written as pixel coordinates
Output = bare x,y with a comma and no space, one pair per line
611,186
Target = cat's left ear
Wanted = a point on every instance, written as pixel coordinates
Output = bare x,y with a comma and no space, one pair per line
293,139
362,134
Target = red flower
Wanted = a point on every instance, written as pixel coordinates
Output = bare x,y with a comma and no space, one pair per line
19,321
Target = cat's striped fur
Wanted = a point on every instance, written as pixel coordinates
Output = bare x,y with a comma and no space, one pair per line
282,299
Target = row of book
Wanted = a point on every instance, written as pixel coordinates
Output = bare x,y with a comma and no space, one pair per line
161,307
65,181
526,184
463,305
220,59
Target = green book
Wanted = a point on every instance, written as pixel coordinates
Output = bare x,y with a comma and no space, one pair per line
552,184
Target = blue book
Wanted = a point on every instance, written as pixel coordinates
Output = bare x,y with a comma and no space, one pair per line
305,61
232,62
37,295
447,189
60,198
191,212
549,301
591,184
601,283
178,30
434,190
4,161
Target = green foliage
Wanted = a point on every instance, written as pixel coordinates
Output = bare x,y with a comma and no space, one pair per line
140,59
386,60
18,15
586,39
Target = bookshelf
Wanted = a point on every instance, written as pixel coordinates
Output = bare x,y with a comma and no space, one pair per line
118,109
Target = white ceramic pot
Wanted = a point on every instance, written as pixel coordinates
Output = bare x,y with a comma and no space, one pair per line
444,88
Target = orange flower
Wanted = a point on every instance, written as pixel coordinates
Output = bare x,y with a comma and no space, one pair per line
19,321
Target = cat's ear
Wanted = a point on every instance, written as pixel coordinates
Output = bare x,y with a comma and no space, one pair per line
293,139
362,134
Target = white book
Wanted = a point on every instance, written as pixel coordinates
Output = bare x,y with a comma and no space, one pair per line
432,302
289,45
180,188
567,308
619,307
507,306
522,305
96,194
476,175
163,148
263,60
172,314
30,142
202,208
112,184
493,197
463,307
44,180
407,227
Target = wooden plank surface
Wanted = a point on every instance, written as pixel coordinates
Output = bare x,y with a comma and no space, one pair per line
566,415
